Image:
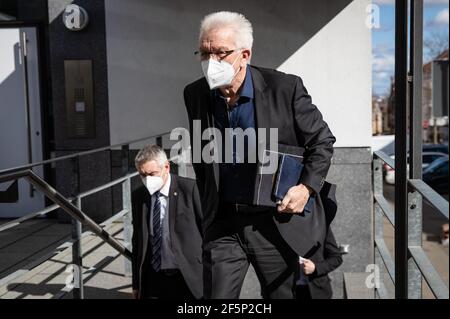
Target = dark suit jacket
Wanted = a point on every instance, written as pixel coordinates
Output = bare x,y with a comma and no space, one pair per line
326,258
185,218
281,101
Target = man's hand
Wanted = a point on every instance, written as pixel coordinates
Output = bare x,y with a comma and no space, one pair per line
295,199
308,266
135,294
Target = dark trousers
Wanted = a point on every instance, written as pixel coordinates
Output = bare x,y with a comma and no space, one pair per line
303,292
163,284
235,240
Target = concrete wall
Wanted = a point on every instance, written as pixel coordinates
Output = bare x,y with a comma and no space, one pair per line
150,59
150,49
90,44
336,67
351,171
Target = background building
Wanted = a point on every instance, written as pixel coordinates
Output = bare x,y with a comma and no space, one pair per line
434,101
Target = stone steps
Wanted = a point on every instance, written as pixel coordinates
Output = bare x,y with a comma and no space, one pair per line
48,280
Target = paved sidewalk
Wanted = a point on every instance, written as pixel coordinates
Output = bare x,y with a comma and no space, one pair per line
29,241
48,280
103,267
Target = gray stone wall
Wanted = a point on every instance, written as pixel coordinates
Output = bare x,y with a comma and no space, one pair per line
351,172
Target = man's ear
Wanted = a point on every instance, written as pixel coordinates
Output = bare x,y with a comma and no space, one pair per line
167,167
246,55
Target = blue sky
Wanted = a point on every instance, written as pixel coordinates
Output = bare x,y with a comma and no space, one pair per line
436,14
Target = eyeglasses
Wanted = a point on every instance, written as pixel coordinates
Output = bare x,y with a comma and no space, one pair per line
205,55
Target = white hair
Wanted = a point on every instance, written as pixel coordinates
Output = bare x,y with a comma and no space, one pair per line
149,153
237,22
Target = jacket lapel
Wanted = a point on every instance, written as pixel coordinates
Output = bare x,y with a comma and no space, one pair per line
210,119
262,108
173,202
145,222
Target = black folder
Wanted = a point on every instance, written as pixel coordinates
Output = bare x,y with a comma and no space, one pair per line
271,187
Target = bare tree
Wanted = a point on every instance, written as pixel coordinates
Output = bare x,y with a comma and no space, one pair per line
435,42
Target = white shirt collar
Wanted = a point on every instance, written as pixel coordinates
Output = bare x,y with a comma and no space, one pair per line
165,189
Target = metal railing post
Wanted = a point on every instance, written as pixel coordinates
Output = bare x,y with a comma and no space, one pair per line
126,204
127,220
125,159
415,89
401,147
415,138
77,179
414,239
77,256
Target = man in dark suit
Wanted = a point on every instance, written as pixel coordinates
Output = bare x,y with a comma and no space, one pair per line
167,236
314,282
234,94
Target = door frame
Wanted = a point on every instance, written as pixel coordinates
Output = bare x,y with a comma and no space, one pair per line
44,87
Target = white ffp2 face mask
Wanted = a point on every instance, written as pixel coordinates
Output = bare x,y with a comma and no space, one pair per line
218,73
153,183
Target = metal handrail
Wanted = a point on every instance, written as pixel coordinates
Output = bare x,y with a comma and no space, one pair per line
72,205
435,282
51,208
385,207
46,210
385,158
69,208
22,219
386,256
107,185
79,154
430,195
435,199
8,174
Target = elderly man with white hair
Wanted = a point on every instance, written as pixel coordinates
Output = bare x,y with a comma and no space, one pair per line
234,94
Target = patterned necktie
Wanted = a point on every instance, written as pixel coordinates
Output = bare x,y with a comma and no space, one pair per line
157,234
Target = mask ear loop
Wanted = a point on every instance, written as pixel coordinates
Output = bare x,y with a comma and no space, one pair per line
240,68
167,177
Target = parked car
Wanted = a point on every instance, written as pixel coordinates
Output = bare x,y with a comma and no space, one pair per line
427,159
441,148
436,175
